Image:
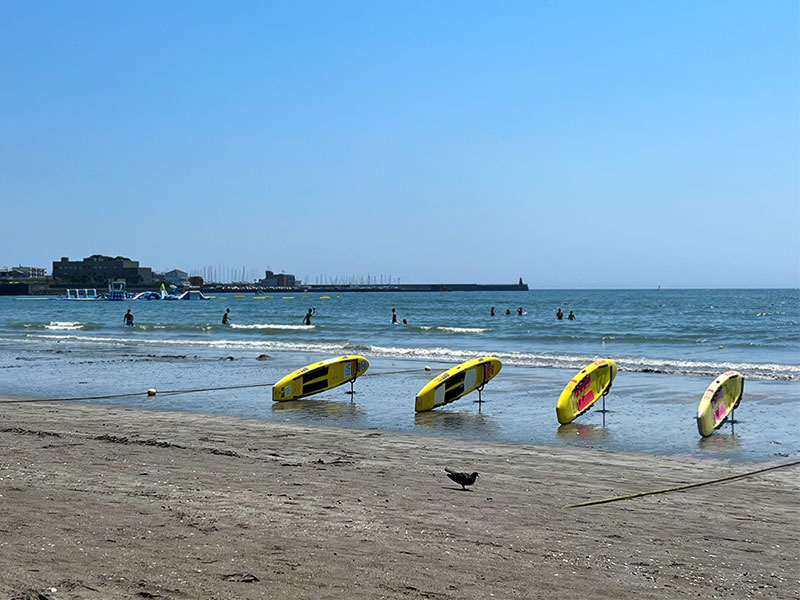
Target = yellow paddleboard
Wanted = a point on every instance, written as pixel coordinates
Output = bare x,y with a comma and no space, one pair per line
721,397
457,382
319,377
584,390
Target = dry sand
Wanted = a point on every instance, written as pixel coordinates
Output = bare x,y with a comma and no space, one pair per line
109,502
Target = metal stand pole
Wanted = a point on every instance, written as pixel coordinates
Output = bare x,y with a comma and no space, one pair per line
603,410
480,399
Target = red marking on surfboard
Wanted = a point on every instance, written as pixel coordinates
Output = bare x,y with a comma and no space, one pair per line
720,412
585,397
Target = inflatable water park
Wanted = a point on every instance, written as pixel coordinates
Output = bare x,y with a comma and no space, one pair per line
117,292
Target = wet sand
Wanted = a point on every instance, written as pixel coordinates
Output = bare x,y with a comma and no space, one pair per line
112,502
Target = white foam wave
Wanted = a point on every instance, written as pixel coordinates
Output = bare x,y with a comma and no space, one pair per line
454,329
270,326
64,325
526,359
463,329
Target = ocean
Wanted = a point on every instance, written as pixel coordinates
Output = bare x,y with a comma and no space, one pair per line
668,344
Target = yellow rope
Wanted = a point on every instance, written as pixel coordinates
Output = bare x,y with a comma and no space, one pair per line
681,487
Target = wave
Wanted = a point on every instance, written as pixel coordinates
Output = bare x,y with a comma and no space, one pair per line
709,368
64,325
270,326
455,329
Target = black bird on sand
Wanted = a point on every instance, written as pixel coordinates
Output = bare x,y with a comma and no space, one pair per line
463,479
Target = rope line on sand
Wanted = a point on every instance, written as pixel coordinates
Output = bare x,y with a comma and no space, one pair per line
682,487
398,372
169,392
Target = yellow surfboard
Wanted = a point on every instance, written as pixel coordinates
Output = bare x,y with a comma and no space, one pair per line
584,389
321,376
721,397
457,382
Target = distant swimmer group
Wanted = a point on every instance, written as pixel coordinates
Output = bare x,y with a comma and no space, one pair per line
226,316
127,318
395,320
560,315
521,312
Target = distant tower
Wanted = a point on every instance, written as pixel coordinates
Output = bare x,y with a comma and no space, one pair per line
520,280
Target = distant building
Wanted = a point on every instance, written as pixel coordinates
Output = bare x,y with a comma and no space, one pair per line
98,267
176,276
20,272
277,280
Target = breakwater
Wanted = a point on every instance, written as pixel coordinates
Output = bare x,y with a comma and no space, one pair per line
422,287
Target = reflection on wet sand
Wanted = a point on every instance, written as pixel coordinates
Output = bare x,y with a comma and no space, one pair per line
444,420
336,411
720,440
575,431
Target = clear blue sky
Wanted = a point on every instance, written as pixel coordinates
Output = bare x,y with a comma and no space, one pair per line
575,144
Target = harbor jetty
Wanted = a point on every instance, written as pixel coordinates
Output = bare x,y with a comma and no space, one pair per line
398,287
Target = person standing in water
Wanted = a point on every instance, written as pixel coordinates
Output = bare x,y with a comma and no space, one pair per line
128,318
571,316
226,317
559,314
394,316
307,318
491,312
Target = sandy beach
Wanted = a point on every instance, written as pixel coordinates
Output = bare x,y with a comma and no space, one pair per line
111,502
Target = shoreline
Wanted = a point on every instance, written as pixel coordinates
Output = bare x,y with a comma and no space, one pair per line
109,501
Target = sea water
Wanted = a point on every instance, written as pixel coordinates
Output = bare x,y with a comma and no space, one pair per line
668,344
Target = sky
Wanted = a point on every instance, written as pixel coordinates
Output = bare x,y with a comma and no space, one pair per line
573,144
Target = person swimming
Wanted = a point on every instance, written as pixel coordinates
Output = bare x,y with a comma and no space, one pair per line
519,311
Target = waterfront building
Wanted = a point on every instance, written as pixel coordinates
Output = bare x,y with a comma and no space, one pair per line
20,272
277,280
98,267
176,277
